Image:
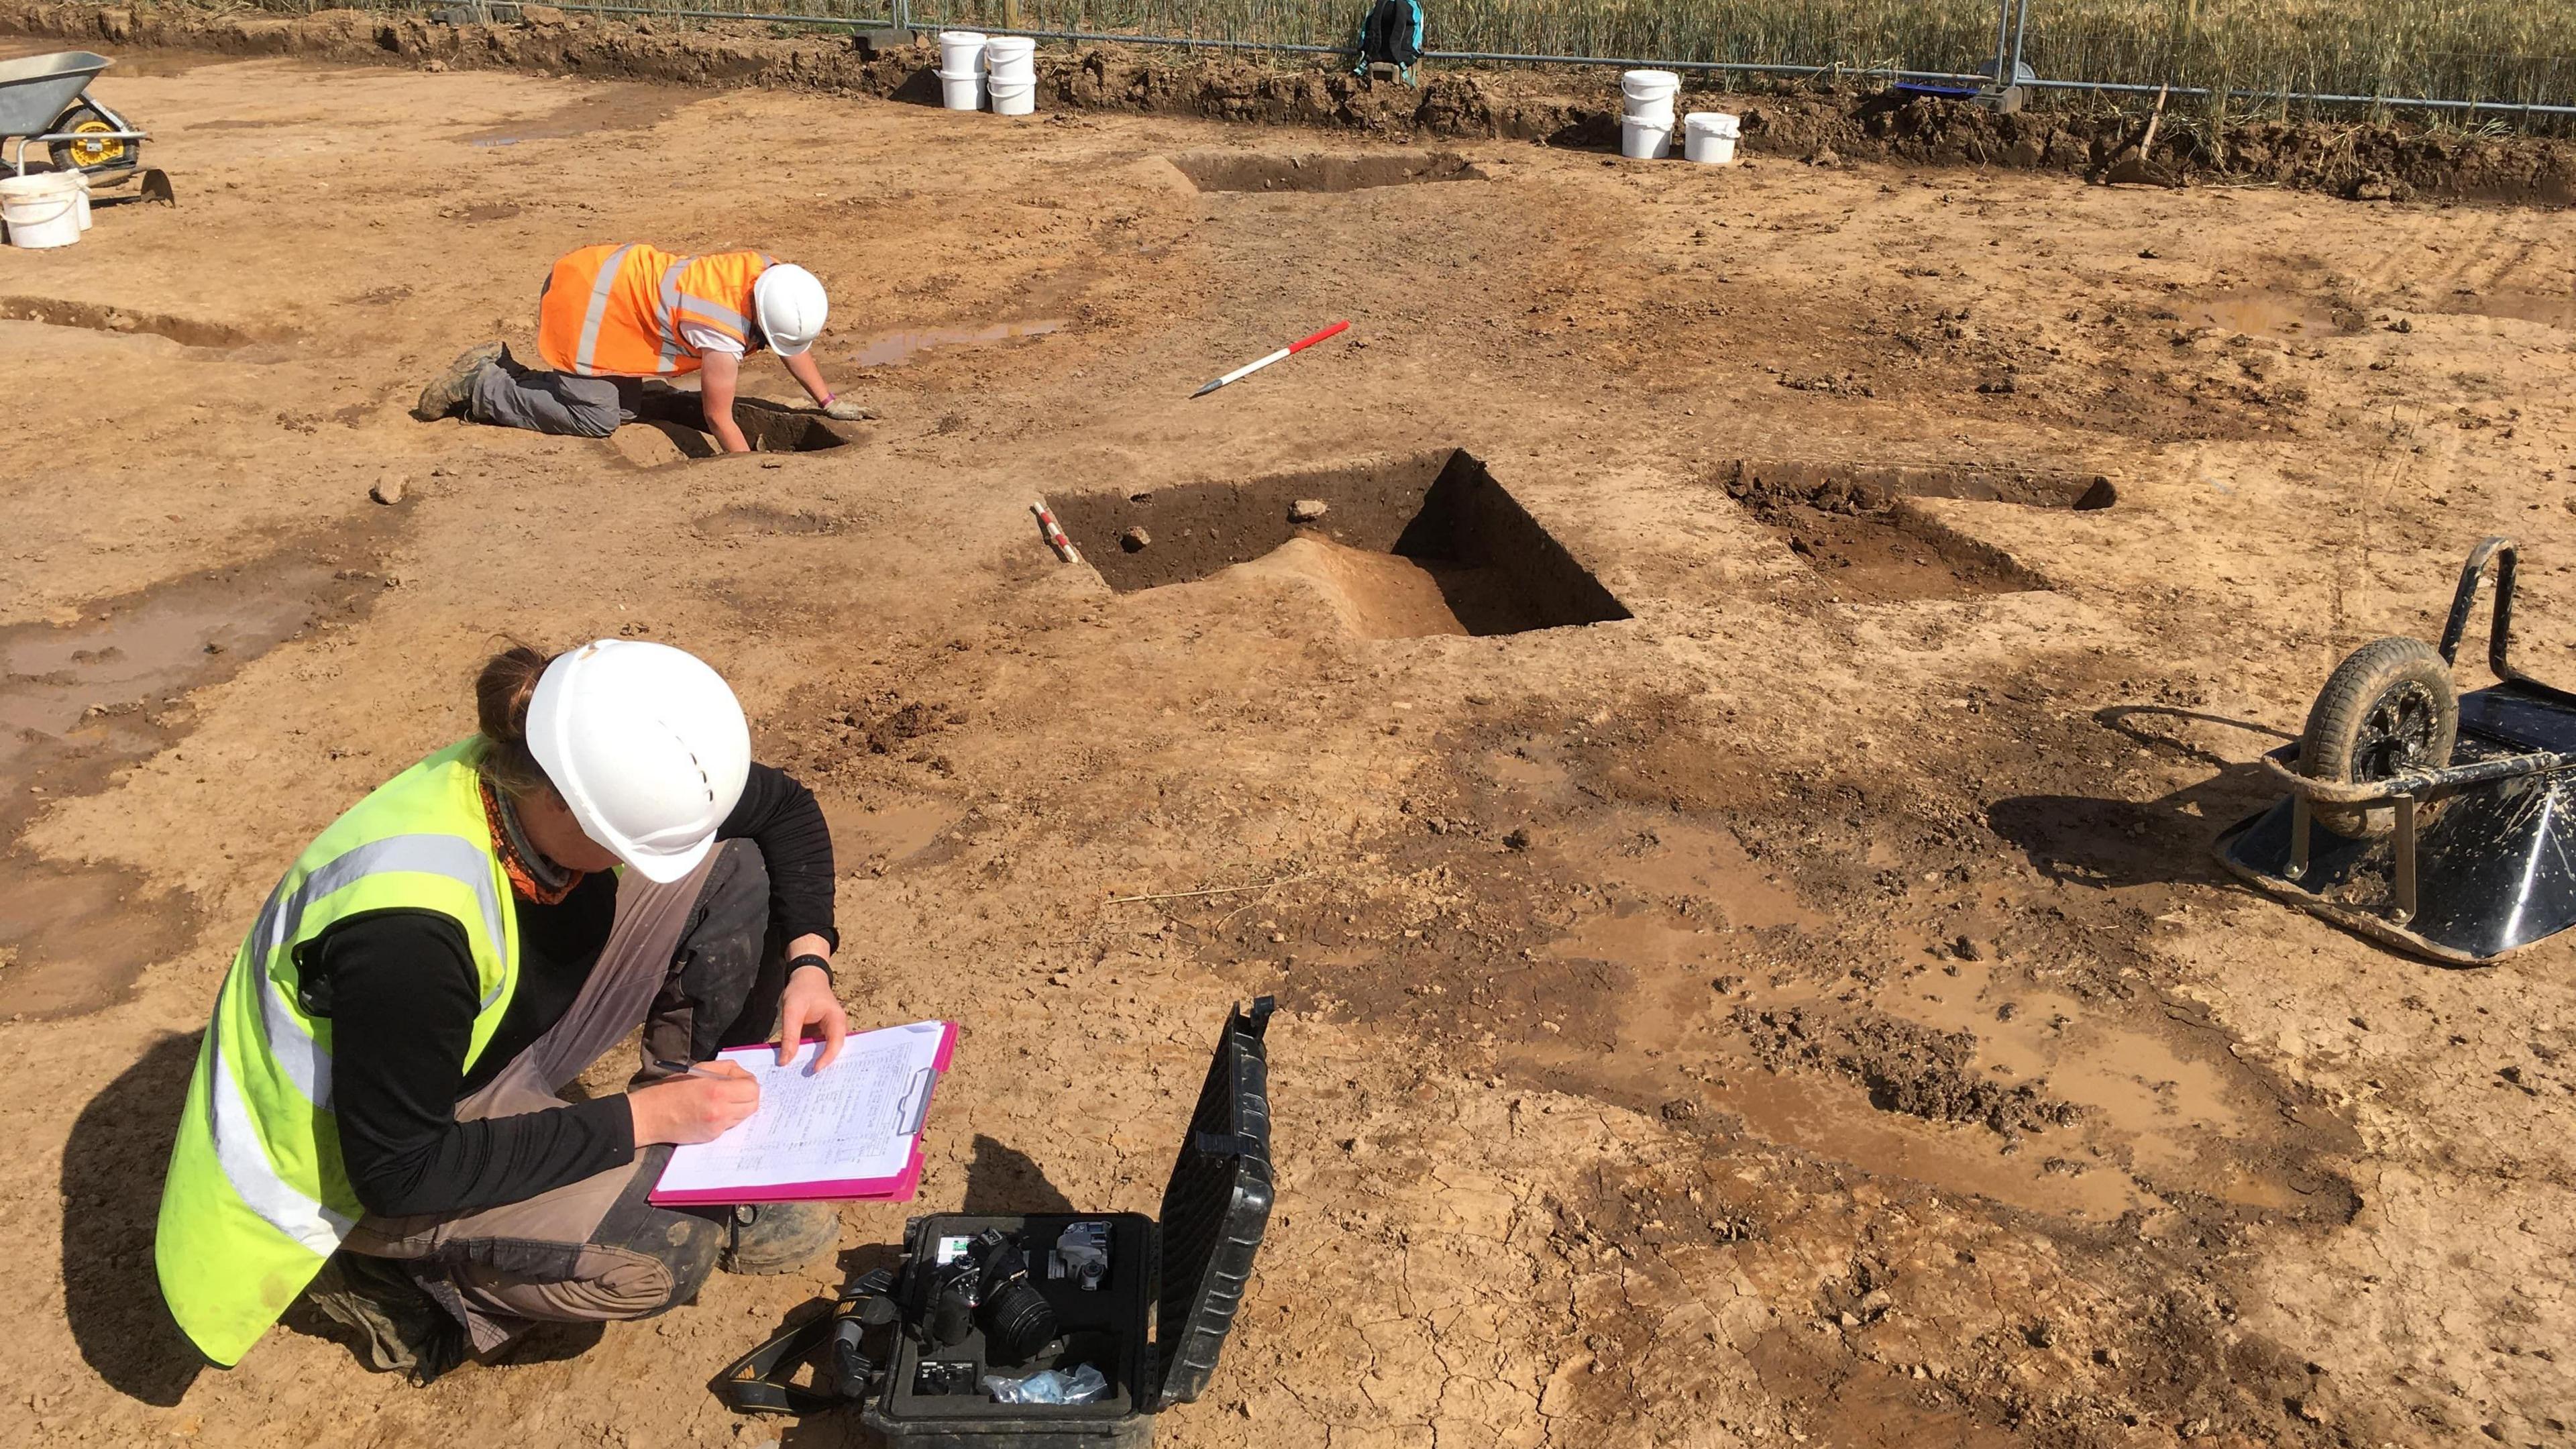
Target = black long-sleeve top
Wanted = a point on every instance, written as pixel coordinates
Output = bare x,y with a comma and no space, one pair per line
404,999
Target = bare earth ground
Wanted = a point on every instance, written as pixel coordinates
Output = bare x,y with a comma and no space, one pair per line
1805,1010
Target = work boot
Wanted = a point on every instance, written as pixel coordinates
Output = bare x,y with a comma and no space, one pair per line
448,392
778,1237
404,1328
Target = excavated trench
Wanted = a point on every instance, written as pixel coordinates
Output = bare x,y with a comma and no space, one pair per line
186,331
1425,545
1858,527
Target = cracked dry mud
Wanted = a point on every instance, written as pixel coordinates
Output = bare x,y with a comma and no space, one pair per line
1803,1010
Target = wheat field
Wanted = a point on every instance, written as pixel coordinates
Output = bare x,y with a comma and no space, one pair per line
2489,50
2505,52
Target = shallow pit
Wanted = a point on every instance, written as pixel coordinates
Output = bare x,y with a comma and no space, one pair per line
2284,315
1419,546
760,520
616,106
1315,171
2547,309
1855,523
674,414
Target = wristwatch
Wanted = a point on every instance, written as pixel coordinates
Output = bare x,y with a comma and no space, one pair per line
813,959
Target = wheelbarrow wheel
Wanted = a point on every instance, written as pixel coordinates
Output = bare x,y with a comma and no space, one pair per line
2388,708
95,147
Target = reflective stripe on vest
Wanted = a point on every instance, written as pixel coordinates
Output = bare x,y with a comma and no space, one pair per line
257,1196
584,358
455,857
617,310
278,1202
667,321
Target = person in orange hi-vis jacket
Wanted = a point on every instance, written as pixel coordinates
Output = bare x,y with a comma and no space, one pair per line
613,315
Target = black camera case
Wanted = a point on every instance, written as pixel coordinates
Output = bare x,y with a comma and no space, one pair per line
1156,1323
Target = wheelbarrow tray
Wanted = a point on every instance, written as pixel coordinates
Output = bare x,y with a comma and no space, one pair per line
2482,862
37,89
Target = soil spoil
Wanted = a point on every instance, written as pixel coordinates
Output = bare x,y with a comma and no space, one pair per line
2367,161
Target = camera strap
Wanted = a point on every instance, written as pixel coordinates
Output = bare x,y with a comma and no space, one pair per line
758,1382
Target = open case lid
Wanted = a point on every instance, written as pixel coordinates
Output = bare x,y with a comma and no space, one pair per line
1214,1210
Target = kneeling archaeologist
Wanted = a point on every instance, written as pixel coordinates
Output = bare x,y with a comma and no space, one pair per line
611,316
376,1110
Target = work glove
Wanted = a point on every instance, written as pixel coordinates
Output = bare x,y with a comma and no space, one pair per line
849,410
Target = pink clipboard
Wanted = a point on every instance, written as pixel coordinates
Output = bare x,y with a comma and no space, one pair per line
898,1188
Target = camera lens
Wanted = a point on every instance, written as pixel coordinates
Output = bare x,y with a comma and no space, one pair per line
1018,1321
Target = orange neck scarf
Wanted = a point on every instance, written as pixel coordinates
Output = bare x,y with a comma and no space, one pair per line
532,876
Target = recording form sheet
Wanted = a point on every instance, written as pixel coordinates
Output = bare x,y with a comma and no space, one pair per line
849,1130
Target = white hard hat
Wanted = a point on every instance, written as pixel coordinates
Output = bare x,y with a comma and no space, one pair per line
647,745
792,307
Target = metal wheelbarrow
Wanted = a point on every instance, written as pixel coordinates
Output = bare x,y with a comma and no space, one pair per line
43,99
2440,823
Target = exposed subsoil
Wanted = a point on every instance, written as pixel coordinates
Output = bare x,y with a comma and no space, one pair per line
1760,1009
2362,160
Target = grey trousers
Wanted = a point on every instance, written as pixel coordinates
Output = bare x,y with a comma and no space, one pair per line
698,965
508,395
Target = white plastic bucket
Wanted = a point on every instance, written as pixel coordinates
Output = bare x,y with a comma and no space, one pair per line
1708,137
40,211
1011,74
961,91
1644,141
79,183
1011,57
961,52
1648,94
1014,97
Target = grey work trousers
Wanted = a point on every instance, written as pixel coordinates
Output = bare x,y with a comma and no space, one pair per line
699,965
509,395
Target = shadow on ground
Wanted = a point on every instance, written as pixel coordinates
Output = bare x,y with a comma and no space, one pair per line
113,1165
2109,843
1004,1179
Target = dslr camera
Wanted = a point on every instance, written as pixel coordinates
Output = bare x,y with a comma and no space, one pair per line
986,1285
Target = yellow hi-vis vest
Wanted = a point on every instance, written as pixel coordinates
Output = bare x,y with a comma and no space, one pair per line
257,1195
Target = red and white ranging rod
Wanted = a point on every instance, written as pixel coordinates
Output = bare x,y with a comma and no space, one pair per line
1054,532
1291,350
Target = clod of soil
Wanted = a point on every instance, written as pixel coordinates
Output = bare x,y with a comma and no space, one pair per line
1235,171
1423,545
1851,522
1908,1068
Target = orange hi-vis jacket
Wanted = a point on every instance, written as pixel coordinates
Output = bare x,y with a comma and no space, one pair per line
616,311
